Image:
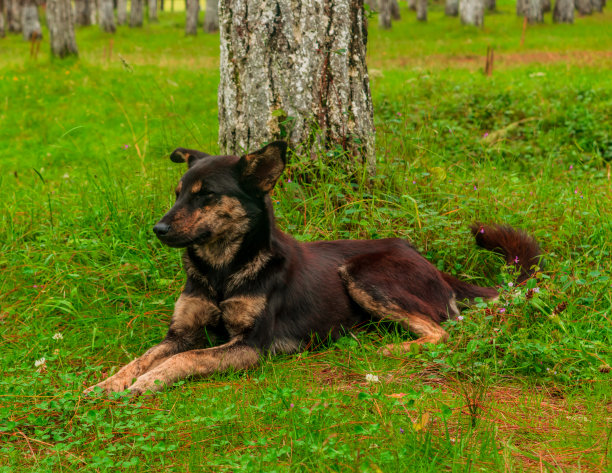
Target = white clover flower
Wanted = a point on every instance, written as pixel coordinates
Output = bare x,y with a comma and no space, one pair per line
371,378
40,362
58,336
460,318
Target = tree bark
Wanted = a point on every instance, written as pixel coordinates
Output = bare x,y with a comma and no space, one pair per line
533,11
451,7
13,15
384,14
60,22
564,11
421,12
136,14
395,10
82,12
153,10
412,4
297,72
121,12
597,5
211,16
546,7
584,7
30,23
192,11
106,15
490,5
93,11
471,12
520,7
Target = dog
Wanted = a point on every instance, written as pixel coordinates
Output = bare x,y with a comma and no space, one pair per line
254,289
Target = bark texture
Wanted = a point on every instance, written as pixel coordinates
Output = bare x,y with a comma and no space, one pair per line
93,12
421,11
82,12
211,16
471,12
192,11
384,14
564,11
30,23
520,7
153,10
13,15
597,5
533,11
60,21
451,7
2,19
412,4
295,71
584,7
121,12
106,16
490,5
395,10
546,7
136,13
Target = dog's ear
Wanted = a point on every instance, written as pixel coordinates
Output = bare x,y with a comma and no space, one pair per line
189,156
262,168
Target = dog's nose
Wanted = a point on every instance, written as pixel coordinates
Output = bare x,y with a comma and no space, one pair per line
161,229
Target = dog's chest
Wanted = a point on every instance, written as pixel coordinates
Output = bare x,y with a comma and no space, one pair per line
239,313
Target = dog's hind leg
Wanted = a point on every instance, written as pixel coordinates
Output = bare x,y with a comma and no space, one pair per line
405,289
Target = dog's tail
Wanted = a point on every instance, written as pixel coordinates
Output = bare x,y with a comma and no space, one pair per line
519,250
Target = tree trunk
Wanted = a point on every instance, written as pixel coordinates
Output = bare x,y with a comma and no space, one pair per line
93,11
533,11
490,5
471,12
421,11
82,12
136,13
412,4
192,11
564,11
30,23
121,12
384,14
296,72
597,5
451,8
60,22
521,6
153,11
106,16
13,15
2,19
584,7
211,16
395,10
546,7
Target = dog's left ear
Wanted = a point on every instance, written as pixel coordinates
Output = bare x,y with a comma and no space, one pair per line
262,168
189,156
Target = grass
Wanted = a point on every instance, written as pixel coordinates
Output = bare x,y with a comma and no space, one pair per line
522,385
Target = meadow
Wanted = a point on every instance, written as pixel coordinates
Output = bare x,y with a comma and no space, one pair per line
523,384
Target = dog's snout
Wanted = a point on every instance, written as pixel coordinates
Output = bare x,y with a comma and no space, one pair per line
161,229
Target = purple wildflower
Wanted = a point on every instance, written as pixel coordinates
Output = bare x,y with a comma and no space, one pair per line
401,430
510,284
516,259
126,146
502,310
485,135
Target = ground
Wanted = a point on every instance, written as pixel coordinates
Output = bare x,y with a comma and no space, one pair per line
522,385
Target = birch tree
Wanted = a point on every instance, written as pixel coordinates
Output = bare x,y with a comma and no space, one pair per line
211,16
584,7
30,23
421,11
136,13
384,14
451,8
60,21
192,11
153,10
121,12
564,11
533,11
471,12
2,19
106,16
298,72
82,12
13,15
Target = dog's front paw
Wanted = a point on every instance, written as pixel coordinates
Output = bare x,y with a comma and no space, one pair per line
114,384
147,382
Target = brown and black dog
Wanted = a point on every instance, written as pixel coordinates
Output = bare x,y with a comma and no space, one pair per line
257,290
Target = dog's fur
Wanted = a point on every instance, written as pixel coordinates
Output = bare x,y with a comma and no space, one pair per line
255,289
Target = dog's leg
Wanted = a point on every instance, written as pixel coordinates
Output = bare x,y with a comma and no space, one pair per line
373,285
233,355
191,314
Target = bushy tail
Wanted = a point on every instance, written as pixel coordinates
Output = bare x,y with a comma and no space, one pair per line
517,247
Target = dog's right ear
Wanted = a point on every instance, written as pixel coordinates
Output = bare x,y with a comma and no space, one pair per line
189,156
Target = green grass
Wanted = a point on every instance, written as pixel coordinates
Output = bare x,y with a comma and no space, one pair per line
520,386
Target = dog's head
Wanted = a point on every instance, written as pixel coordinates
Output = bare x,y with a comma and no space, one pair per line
220,197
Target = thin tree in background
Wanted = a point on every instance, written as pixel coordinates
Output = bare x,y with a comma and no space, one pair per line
584,7
13,15
106,15
192,11
471,12
564,11
211,16
451,8
491,5
2,19
520,7
395,10
30,23
597,5
136,13
412,5
153,10
82,12
384,14
533,11
421,11
121,12
93,11
546,6
296,71
60,21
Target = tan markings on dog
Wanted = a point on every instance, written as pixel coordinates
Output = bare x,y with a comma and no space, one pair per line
239,313
248,271
203,362
179,188
193,312
285,345
452,306
193,273
197,187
